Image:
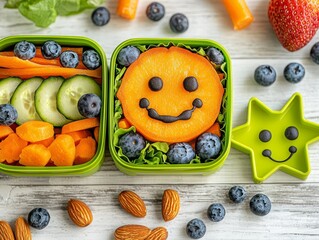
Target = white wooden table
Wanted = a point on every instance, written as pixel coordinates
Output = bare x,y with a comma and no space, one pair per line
295,203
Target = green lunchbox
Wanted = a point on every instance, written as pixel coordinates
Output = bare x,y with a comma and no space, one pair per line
153,158
95,163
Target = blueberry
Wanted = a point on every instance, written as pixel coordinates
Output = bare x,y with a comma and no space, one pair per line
216,212
132,144
8,114
128,55
51,50
100,16
294,72
208,146
178,23
215,55
39,218
89,105
237,194
265,75
196,228
314,53
155,11
91,59
24,50
69,59
180,153
260,204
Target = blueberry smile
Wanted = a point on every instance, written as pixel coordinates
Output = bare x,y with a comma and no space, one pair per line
185,115
267,153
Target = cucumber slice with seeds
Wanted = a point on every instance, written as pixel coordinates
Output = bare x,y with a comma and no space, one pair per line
45,102
71,91
23,100
7,87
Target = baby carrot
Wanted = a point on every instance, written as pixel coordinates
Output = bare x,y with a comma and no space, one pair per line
239,13
127,8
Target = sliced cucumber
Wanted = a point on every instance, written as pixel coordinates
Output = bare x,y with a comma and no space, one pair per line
45,102
70,92
23,100
7,87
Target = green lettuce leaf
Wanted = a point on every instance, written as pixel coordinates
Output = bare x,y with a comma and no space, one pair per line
41,12
12,3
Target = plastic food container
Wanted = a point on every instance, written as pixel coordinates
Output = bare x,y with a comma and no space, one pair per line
117,71
95,163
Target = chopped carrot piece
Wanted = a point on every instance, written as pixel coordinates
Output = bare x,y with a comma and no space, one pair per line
34,131
123,123
78,135
62,150
85,150
5,131
82,124
127,8
50,71
239,13
11,147
45,142
35,155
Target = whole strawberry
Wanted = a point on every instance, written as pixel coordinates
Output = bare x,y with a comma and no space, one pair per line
295,22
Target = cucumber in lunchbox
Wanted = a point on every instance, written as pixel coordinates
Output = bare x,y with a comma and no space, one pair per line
46,103
7,88
23,100
70,92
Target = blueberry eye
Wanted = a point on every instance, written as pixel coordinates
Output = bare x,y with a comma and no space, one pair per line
190,84
155,84
291,133
265,136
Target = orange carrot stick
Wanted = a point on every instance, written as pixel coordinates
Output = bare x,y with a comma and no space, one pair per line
78,50
239,13
127,8
50,71
79,125
53,62
15,62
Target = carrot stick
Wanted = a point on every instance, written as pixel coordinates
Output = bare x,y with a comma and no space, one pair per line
239,13
127,8
78,50
50,71
53,62
79,125
15,62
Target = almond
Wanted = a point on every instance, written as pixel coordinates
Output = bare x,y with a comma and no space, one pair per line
79,213
159,233
5,231
132,203
22,229
170,204
132,232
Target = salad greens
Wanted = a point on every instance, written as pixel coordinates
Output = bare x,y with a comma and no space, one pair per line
44,12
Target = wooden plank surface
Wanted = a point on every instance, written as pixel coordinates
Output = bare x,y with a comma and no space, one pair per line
295,204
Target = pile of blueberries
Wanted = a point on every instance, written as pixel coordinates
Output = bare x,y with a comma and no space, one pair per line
155,11
259,204
294,72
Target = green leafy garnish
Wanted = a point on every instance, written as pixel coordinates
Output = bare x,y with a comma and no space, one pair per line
44,12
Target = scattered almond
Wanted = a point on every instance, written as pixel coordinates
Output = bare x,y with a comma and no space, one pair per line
132,232
22,229
5,231
79,213
159,233
170,204
132,203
